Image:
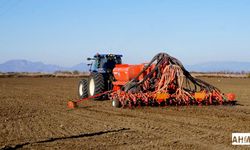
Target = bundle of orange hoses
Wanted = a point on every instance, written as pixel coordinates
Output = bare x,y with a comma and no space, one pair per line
169,83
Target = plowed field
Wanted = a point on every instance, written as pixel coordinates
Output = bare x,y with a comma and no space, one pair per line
33,115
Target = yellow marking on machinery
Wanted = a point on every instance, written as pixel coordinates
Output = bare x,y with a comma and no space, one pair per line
162,96
199,96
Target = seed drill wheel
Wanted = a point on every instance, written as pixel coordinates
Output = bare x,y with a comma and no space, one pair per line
116,103
96,85
83,88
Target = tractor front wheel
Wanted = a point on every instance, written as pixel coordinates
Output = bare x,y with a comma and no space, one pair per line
83,88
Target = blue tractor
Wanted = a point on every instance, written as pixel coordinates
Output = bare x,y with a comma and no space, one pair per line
101,75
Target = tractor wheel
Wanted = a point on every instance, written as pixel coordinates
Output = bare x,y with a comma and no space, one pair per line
83,88
96,85
116,103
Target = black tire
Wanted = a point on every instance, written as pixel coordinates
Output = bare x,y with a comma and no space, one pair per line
83,89
96,85
116,103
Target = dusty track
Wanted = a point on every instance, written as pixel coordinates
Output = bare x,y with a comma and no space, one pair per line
34,116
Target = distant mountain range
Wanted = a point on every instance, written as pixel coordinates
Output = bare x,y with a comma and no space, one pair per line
29,66
226,66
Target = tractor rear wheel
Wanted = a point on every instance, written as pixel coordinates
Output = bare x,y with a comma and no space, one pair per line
83,88
96,85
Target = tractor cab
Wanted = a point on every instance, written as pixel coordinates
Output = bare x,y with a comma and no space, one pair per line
104,63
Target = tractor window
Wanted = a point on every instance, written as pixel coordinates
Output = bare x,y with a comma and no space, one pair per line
94,66
98,63
102,62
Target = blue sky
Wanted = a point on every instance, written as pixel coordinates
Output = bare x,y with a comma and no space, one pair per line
66,32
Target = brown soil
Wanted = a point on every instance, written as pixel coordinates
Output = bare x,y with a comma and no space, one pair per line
33,115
